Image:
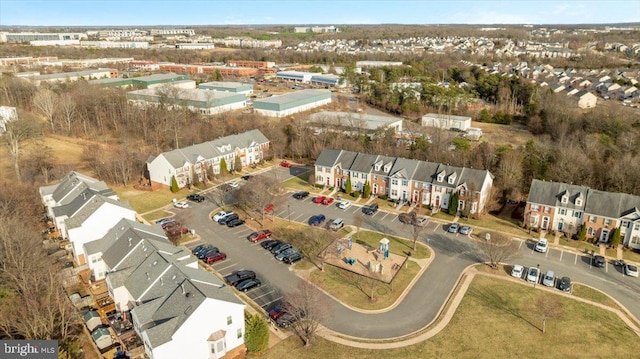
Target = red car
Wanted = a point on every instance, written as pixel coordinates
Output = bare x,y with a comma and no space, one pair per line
327,201
215,257
268,208
285,164
279,310
258,236
319,199
176,231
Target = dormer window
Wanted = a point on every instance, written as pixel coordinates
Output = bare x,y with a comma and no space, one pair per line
452,178
441,176
578,201
565,199
377,167
387,168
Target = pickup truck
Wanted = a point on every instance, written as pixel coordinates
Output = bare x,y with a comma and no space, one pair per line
238,276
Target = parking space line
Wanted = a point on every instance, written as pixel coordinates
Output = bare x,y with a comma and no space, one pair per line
224,268
435,228
520,246
547,254
298,217
260,296
273,301
561,253
606,267
385,216
576,260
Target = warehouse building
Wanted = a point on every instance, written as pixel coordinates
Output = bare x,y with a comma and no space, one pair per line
353,123
195,46
201,101
142,82
235,87
75,76
462,123
378,63
327,80
294,102
36,36
295,76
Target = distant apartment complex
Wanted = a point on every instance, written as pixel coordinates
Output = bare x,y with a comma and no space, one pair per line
316,29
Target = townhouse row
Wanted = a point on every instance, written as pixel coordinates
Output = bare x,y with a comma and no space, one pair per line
421,182
556,206
177,309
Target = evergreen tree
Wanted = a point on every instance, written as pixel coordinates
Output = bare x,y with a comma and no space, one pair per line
237,166
174,185
366,190
256,333
347,185
224,170
615,237
582,234
453,203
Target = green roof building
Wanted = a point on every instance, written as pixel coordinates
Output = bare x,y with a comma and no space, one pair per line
236,87
294,102
201,101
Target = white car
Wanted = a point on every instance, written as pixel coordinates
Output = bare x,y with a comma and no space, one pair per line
422,221
631,270
542,245
181,204
216,217
517,271
344,204
234,184
533,275
549,279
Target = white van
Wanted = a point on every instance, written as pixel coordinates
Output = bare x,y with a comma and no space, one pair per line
337,224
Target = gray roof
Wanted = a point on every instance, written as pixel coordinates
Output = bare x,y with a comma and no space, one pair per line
426,171
199,95
353,120
551,193
122,237
73,184
346,158
328,157
383,160
404,168
448,117
611,204
212,149
293,96
363,163
69,209
91,207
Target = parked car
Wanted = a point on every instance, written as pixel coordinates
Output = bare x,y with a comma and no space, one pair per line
598,261
287,319
216,217
422,221
176,231
248,284
181,204
344,204
533,275
301,195
247,177
280,247
317,220
270,244
370,209
215,257
453,228
207,252
549,279
226,187
279,310
233,184
286,253
407,218
327,201
465,230
239,276
336,224
285,164
319,199
268,208
258,236
195,197
292,258
228,218
204,248
199,248
165,220
517,271
169,223
630,270
235,222
565,284
541,245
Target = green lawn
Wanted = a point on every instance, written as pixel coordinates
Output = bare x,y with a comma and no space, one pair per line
495,320
397,246
309,240
299,183
145,201
153,216
593,295
354,289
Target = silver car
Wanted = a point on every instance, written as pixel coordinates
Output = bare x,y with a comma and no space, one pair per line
549,279
533,275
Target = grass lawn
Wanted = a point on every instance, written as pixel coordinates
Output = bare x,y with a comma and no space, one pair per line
299,183
579,245
154,216
398,246
593,295
355,289
309,240
145,201
495,320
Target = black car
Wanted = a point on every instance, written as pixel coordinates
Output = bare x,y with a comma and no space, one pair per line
301,195
239,276
198,248
598,261
245,285
370,209
247,177
201,249
268,244
235,222
227,219
280,247
565,284
292,258
204,254
195,197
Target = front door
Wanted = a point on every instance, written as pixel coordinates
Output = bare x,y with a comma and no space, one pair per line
545,223
604,235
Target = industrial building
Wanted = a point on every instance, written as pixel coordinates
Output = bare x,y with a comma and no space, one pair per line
235,87
115,44
250,64
36,36
195,46
141,82
462,123
201,101
327,80
207,69
75,76
353,123
295,76
378,63
294,102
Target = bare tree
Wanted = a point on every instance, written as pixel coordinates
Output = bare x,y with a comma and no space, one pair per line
358,221
416,231
39,164
547,306
45,101
498,248
218,196
18,132
67,107
309,308
259,192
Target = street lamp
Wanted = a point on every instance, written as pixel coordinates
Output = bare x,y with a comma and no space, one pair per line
536,282
289,212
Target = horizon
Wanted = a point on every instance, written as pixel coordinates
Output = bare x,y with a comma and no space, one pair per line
102,13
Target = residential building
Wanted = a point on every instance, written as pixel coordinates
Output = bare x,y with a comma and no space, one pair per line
195,46
35,36
555,206
294,102
115,44
204,159
406,180
316,29
7,114
371,63
586,99
444,121
163,32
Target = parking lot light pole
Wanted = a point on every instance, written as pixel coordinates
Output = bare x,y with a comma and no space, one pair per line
536,282
289,212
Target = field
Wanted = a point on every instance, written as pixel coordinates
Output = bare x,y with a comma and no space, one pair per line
496,320
502,134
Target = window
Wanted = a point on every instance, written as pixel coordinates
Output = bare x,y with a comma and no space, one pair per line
577,214
565,199
590,231
452,179
547,209
229,320
637,227
441,177
535,207
405,183
578,201
607,222
239,333
394,182
460,205
377,167
394,193
375,178
462,192
563,211
625,224
593,219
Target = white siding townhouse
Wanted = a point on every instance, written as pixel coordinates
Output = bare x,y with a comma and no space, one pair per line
405,180
556,206
197,160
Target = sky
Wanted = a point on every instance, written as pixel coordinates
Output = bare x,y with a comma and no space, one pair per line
254,12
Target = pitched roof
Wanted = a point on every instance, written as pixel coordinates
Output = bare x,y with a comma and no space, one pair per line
74,183
551,193
328,157
611,204
122,237
89,208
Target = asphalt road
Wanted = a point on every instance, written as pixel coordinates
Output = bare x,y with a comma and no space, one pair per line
453,252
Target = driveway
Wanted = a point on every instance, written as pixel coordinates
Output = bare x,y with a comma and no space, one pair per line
453,252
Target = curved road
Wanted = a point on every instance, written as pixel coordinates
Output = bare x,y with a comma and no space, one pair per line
420,306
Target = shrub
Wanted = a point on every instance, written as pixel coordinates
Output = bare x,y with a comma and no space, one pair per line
174,185
383,197
355,194
256,333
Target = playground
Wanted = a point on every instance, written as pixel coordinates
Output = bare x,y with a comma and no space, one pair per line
378,263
